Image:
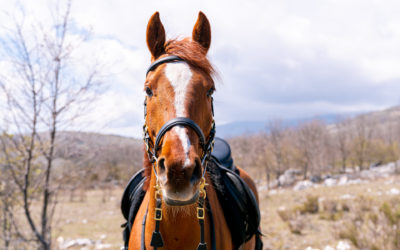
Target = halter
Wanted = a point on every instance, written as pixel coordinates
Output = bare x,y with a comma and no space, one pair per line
152,153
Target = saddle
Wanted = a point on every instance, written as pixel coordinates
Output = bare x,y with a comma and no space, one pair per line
236,198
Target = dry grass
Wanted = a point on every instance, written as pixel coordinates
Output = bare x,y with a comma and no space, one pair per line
96,218
314,217
322,216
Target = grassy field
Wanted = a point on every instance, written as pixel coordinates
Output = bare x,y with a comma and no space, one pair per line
316,218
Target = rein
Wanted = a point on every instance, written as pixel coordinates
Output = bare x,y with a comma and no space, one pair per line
152,153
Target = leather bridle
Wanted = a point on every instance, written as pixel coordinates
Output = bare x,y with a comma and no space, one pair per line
152,153
153,148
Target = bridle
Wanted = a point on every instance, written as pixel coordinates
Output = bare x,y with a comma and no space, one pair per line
152,153
207,146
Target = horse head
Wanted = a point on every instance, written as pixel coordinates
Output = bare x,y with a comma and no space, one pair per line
179,88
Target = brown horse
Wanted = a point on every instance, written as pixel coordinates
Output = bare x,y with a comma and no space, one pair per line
180,88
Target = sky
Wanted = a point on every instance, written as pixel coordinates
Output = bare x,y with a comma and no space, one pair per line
276,59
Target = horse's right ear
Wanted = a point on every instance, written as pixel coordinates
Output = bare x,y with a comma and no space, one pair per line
155,36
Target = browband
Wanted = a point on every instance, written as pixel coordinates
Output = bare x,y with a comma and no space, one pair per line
166,59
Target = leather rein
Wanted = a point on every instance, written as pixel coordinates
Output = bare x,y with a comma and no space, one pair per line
152,153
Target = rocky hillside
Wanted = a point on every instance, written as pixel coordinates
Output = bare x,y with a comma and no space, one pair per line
95,158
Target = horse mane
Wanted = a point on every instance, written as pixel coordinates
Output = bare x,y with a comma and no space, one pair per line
192,52
195,55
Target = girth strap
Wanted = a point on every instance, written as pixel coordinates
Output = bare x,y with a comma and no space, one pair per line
200,216
156,238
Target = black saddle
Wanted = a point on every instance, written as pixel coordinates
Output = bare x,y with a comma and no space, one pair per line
222,152
237,199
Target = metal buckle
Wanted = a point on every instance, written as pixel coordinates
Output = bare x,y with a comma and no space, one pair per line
200,213
158,192
158,214
202,186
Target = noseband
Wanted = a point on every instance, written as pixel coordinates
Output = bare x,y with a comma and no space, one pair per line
152,153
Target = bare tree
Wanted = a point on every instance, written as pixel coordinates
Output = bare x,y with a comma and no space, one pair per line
310,145
43,96
364,128
343,139
392,137
278,161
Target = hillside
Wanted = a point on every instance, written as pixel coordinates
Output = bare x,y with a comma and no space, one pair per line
115,158
97,158
238,128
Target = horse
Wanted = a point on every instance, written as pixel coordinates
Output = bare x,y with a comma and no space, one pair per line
178,132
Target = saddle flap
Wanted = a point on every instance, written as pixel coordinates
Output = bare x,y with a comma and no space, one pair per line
238,202
134,184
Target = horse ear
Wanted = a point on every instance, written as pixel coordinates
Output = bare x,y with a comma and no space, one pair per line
155,36
202,31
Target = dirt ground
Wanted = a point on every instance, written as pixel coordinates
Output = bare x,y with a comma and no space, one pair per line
98,217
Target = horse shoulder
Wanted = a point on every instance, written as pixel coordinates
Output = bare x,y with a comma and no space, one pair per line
222,232
136,232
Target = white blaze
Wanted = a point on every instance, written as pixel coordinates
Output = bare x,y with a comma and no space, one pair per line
179,75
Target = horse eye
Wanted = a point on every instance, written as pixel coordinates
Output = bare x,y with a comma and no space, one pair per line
149,92
210,91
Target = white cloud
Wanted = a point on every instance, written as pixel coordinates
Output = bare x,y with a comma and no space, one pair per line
278,57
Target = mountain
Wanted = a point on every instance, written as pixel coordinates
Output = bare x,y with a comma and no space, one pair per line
252,127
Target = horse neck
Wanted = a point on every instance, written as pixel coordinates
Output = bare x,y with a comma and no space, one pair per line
179,226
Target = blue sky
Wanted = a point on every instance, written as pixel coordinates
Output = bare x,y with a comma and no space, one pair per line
276,59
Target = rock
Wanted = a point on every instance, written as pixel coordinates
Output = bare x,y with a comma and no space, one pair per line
375,164
60,240
103,246
301,185
379,171
349,170
347,197
355,181
273,192
343,245
289,177
330,182
77,242
394,191
367,174
343,180
315,179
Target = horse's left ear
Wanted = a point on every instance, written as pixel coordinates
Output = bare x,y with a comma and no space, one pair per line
202,31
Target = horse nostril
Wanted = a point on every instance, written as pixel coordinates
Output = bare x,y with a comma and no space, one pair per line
196,175
161,165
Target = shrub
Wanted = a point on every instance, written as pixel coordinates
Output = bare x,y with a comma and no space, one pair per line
371,226
310,205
